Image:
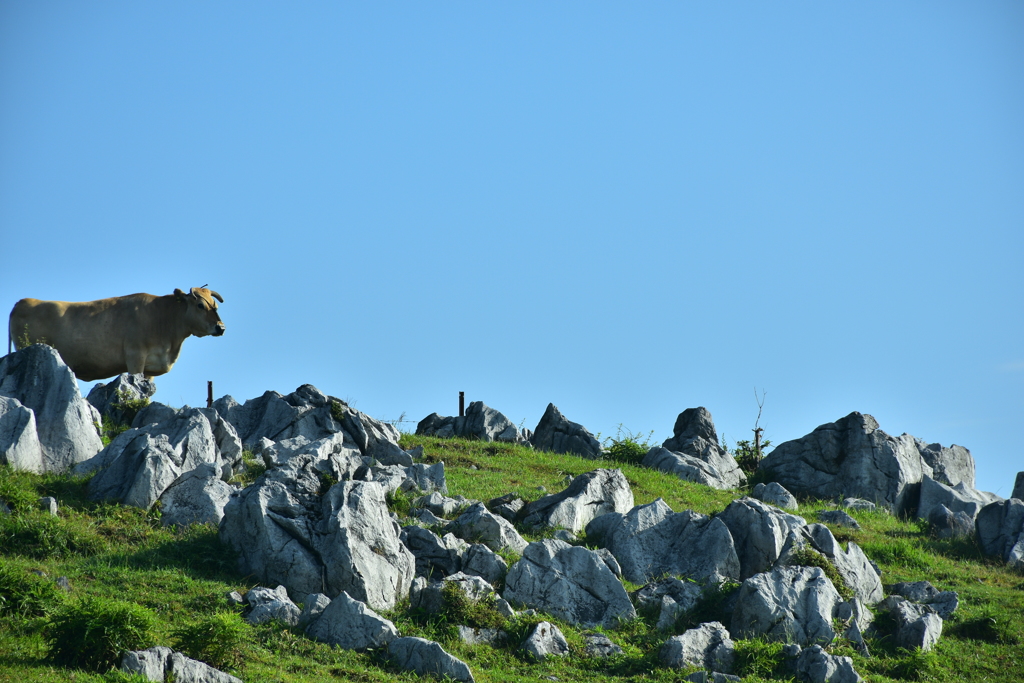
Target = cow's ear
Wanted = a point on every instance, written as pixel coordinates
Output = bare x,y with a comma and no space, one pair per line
179,295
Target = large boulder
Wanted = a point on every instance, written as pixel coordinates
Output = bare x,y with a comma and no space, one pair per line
19,441
426,657
917,626
787,604
951,465
351,625
958,498
556,434
196,497
435,556
1000,530
569,582
651,541
759,532
480,422
110,398
479,525
708,646
1018,487
590,495
694,454
288,530
140,464
162,663
65,423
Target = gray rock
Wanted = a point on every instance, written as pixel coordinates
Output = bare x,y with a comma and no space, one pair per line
429,595
480,422
140,464
708,646
481,636
775,494
435,556
478,525
957,498
312,608
759,532
950,466
162,663
948,524
670,597
442,505
839,518
479,560
152,414
917,626
852,457
651,540
427,477
545,641
852,564
508,506
788,604
599,645
65,423
858,504
287,531
108,398
698,455
999,528
19,441
351,625
590,495
235,599
196,497
556,434
425,517
711,677
305,412
427,657
569,582
49,504
814,665
267,604
1018,487
923,592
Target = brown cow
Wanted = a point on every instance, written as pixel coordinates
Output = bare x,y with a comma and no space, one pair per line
138,333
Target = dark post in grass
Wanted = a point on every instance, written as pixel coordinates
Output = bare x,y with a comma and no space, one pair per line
462,404
209,394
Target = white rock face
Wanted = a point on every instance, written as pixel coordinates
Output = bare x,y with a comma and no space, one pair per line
852,564
814,665
788,604
479,525
759,532
708,646
775,494
590,495
426,657
266,604
570,582
545,641
196,497
351,625
694,454
19,443
162,663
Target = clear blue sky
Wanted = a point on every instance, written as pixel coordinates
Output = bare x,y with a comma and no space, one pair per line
625,209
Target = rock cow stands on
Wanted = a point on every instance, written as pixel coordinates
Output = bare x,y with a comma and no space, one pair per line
853,457
45,424
694,454
138,333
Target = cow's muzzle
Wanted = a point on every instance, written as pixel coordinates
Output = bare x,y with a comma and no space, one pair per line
219,329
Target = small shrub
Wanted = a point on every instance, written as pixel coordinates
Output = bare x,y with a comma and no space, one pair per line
128,406
18,490
399,502
758,657
338,410
459,608
220,640
747,456
93,633
627,446
27,594
808,557
43,536
714,606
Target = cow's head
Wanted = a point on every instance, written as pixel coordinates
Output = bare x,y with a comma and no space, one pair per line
201,317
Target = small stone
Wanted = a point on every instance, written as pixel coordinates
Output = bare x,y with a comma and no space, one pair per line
600,645
234,598
546,641
49,503
63,583
839,518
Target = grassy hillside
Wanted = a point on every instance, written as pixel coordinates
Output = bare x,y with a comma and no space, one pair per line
175,585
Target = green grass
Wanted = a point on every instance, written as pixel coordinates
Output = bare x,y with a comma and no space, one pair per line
113,555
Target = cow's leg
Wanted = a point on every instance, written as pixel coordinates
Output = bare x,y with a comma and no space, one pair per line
135,359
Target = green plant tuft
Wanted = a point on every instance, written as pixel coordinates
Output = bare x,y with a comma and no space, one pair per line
626,446
27,594
809,557
220,640
93,633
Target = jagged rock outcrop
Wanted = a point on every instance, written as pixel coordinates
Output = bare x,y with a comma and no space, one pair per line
852,564
435,556
162,663
759,531
839,518
708,646
557,434
196,497
854,457
999,528
959,498
108,399
1018,487
651,540
917,626
569,582
351,625
590,495
670,597
64,423
426,657
480,422
694,454
788,604
948,524
775,494
288,530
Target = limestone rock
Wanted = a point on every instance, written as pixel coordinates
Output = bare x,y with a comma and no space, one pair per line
196,497
435,556
651,540
162,663
479,560
428,595
691,468
839,518
314,606
789,604
267,604
923,592
556,434
478,525
65,423
1018,487
480,422
600,645
569,582
351,625
426,657
814,665
696,454
590,495
19,441
545,641
108,398
917,626
775,494
759,532
1000,530
948,524
671,598
852,564
708,646
957,498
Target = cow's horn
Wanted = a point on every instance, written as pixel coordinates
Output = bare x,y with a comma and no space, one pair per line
216,296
